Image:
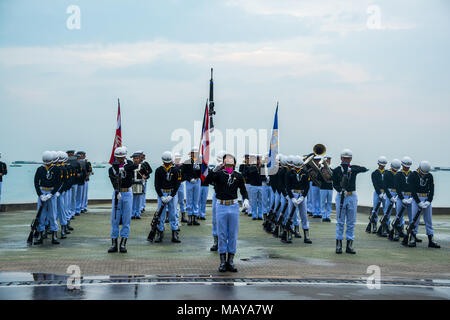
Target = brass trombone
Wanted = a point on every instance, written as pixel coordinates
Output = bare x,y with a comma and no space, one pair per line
314,170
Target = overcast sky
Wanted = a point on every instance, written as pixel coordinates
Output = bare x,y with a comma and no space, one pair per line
383,90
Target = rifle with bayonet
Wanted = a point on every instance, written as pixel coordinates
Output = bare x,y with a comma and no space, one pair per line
411,227
372,217
35,224
155,222
396,224
278,221
383,230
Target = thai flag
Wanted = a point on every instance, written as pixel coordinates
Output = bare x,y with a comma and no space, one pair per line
118,137
204,149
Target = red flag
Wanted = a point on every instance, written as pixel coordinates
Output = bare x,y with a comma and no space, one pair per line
205,145
118,138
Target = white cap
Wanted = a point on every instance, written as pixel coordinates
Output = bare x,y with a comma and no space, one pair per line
283,160
425,166
177,155
167,157
407,162
396,164
219,156
298,161
47,157
120,152
290,159
382,161
346,153
194,149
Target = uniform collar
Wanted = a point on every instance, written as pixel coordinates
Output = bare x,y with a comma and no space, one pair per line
167,168
406,172
381,171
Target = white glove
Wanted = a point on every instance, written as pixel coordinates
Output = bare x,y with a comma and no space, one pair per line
410,200
287,198
164,199
382,196
217,167
193,181
393,199
267,179
246,204
300,199
405,202
49,196
168,199
294,201
427,204
119,196
422,205
57,194
43,197
122,172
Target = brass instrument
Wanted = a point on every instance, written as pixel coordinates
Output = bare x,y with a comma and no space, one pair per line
314,171
138,184
325,170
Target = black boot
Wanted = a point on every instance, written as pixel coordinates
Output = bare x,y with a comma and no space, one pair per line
39,239
223,262
306,233
63,232
183,217
194,221
283,237
113,246
190,221
401,234
418,240
159,236
66,229
175,237
396,234
297,232
54,238
69,227
412,240
338,246
123,245
215,245
431,243
349,248
276,231
374,227
230,264
44,234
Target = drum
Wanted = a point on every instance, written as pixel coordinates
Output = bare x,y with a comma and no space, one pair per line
137,187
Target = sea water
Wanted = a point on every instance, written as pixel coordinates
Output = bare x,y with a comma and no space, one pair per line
18,186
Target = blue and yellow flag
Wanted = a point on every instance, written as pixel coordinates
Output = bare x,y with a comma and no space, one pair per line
273,151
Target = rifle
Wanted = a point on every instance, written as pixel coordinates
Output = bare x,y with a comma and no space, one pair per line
211,101
271,217
155,222
410,227
35,224
395,223
276,230
288,225
384,222
116,194
372,216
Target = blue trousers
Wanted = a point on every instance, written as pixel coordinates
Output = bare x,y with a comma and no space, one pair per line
85,197
142,204
326,198
203,197
266,198
347,216
192,198
315,192
79,199
1,190
427,216
309,199
384,203
61,209
249,187
73,200
272,199
214,215
48,214
388,203
171,209
137,201
256,201
283,203
408,209
180,196
300,212
227,227
123,211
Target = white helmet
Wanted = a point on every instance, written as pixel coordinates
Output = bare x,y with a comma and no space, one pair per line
346,153
54,156
425,166
382,161
177,155
61,155
407,162
219,156
298,161
290,160
283,160
47,157
120,152
194,149
396,164
167,157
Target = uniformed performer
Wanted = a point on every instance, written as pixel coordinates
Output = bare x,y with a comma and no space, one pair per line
191,172
68,197
315,193
167,181
89,173
266,187
76,169
297,187
219,164
391,192
227,181
379,194
3,172
47,182
138,186
181,190
243,170
344,182
404,198
255,181
326,195
422,189
282,184
204,189
148,170
61,194
81,181
121,176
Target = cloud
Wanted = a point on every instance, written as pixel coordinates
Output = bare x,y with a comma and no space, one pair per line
294,57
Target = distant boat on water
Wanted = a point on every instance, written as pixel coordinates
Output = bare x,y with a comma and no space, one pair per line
15,165
25,162
441,169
